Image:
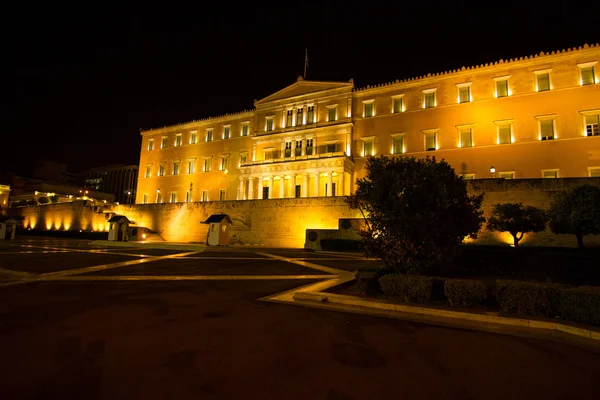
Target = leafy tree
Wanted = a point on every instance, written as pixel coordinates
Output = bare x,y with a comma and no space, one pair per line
54,198
43,200
417,212
32,203
23,202
517,220
576,212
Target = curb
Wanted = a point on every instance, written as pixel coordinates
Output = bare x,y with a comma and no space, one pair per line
333,298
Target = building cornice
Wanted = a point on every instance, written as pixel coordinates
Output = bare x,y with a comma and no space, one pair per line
204,121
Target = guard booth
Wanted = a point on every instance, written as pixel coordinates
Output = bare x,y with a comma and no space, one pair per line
218,230
8,226
119,228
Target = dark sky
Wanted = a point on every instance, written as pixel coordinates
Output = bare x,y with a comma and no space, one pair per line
81,82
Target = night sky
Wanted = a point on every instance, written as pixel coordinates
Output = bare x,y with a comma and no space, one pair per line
82,81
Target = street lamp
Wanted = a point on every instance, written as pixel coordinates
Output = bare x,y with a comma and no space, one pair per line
492,171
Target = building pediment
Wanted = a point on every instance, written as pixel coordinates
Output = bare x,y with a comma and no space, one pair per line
303,88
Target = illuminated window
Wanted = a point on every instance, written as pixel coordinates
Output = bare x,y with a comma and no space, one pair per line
163,142
464,92
298,191
145,198
151,144
243,158
178,139
226,132
176,165
466,137
309,147
397,143
550,173
289,118
288,149
205,195
310,115
173,197
299,117
505,134
193,137
148,172
368,146
368,108
207,167
331,113
209,135
542,80
430,141
507,175
191,165
588,73
158,196
161,169
398,104
269,153
591,125
188,196
502,86
546,129
269,123
594,172
224,163
245,129
429,98
298,151
330,147
222,196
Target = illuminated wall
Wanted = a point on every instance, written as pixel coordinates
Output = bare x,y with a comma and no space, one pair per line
73,216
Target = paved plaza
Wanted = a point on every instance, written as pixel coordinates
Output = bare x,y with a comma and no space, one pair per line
81,320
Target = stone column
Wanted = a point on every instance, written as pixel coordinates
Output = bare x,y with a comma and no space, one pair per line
259,195
303,146
340,188
292,186
254,152
250,195
305,185
281,186
241,189
329,182
271,182
316,192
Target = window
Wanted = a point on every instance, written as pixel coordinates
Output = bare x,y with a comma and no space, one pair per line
191,165
269,153
207,164
161,169
594,172
193,137
464,92
368,108
398,104
331,113
367,147
542,80
298,152
588,73
299,117
288,149
430,141
209,135
507,175
502,86
265,193
188,196
429,100
549,173
269,123
145,198
224,163
289,118
226,132
173,197
546,129
158,196
310,115
298,192
309,147
222,196
466,137
148,172
176,167
178,139
468,177
505,135
245,129
333,185
243,158
591,125
330,147
151,144
163,142
205,195
398,143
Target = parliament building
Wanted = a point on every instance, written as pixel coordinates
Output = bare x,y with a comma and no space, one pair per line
531,117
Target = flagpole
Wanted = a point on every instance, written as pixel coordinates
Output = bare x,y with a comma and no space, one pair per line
305,61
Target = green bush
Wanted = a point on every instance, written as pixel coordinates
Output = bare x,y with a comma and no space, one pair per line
580,304
528,297
409,288
464,292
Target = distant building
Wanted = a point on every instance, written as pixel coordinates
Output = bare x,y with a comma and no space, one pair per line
55,173
4,193
119,180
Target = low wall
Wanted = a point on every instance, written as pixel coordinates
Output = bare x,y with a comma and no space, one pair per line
283,222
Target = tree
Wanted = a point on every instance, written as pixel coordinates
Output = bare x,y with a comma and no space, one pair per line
576,212
517,220
32,203
54,198
43,200
23,203
417,212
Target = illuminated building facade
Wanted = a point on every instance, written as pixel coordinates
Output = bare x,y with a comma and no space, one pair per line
532,117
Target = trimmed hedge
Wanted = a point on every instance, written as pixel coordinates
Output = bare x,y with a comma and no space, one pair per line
465,292
529,297
409,288
581,304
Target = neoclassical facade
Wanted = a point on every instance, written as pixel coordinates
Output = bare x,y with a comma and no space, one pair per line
532,117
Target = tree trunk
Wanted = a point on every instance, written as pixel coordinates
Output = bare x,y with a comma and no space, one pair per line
516,241
579,237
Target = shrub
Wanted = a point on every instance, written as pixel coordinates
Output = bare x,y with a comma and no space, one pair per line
367,281
580,304
409,288
528,297
465,292
43,200
23,203
340,244
32,203
54,198
576,212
